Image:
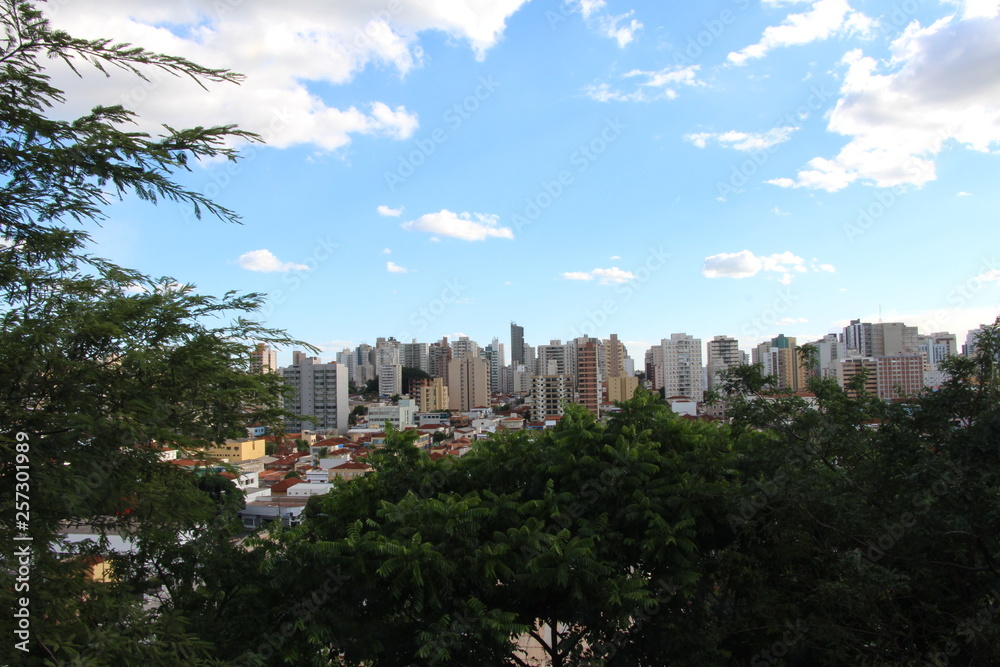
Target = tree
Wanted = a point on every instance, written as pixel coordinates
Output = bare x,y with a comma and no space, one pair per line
410,374
103,364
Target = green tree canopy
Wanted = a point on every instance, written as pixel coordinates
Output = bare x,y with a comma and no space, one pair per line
104,365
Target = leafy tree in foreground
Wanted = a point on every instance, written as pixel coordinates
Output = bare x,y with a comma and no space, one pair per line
101,364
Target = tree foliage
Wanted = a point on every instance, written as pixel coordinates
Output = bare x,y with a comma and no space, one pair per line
102,365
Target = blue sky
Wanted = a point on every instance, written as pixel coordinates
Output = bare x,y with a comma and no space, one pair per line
739,167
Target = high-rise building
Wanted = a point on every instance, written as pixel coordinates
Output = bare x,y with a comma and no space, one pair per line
263,359
858,337
899,376
937,347
390,379
682,372
320,393
829,349
494,355
463,347
468,383
516,344
614,357
723,353
893,338
556,358
439,354
416,355
780,358
431,394
588,373
549,395
364,365
621,388
388,352
851,367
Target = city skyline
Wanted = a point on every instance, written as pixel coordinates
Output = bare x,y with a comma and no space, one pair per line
728,168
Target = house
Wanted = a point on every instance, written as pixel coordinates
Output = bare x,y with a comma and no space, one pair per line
264,511
350,470
308,490
281,488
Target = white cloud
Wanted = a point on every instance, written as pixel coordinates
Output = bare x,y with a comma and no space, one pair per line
614,257
395,268
743,141
623,34
282,50
594,12
649,85
264,261
386,251
824,19
741,264
939,89
390,212
611,276
745,264
465,226
780,212
963,193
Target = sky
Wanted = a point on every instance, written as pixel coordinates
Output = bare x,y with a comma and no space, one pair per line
434,169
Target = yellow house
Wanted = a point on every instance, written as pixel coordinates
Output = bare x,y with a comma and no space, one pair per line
236,451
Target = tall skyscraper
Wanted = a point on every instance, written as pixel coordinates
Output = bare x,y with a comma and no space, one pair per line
494,355
416,355
264,359
858,337
893,338
320,392
780,358
588,373
516,344
468,383
723,353
682,372
439,354
549,395
614,357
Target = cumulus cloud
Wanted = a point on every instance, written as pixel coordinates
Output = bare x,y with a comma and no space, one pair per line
392,267
264,261
940,88
824,19
390,212
286,52
742,141
647,85
464,226
745,264
610,276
